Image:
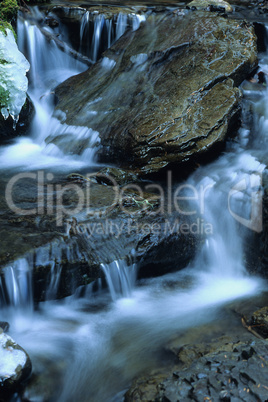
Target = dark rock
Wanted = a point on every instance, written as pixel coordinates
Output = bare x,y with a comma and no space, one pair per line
52,22
211,5
4,325
70,17
259,321
220,375
9,131
111,175
112,224
168,99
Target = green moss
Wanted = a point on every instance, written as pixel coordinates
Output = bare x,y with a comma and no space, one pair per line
8,9
4,25
4,95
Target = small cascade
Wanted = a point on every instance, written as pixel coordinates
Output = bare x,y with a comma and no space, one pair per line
98,33
16,285
120,278
52,60
230,191
52,142
55,274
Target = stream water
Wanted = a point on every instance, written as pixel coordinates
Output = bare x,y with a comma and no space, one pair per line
89,348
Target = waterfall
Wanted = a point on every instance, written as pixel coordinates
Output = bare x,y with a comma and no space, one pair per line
52,142
98,33
16,285
120,278
231,201
84,348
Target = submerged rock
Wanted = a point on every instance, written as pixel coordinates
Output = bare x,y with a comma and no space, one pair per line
170,94
15,364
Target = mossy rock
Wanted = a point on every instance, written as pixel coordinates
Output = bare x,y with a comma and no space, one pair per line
8,10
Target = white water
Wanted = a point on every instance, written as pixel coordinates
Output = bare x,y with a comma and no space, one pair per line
16,286
96,353
49,66
120,278
52,142
105,31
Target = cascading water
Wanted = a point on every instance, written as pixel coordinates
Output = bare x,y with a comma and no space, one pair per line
232,204
93,348
52,142
120,278
98,33
16,286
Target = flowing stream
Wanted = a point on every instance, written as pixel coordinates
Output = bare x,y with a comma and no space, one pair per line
51,141
90,347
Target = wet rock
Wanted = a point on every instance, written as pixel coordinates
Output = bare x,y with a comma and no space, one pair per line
111,175
68,143
4,326
66,248
81,23
212,5
52,22
7,128
166,100
259,321
15,364
224,374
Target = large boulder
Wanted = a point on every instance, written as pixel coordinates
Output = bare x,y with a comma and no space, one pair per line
166,92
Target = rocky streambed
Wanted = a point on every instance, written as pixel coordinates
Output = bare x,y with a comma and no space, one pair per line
168,96
164,96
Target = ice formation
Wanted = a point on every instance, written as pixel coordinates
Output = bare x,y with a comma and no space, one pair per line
10,358
13,81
